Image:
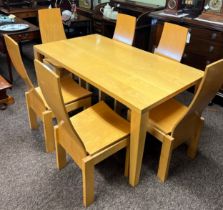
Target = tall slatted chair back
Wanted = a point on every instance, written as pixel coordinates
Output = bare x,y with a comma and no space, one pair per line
125,29
172,41
49,83
15,56
210,84
51,26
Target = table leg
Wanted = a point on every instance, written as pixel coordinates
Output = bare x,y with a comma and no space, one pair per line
137,142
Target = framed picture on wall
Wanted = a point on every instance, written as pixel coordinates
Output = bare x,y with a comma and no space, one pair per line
85,4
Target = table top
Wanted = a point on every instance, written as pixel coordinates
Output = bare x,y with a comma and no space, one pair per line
136,78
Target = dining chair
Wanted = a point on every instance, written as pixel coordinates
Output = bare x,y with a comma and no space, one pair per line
172,41
51,25
88,137
74,96
51,29
173,123
125,28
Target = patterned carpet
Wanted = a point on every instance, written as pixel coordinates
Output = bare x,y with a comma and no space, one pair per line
29,178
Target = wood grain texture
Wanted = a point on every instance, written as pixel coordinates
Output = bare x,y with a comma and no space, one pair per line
122,71
138,79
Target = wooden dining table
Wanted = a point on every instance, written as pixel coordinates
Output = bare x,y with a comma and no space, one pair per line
138,79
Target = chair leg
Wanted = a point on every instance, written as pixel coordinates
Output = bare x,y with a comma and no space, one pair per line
193,144
48,131
88,183
60,152
127,160
165,157
31,115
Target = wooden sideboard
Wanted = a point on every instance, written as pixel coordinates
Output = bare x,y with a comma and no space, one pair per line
106,26
205,44
30,34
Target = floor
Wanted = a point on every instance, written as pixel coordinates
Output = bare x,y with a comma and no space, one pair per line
29,178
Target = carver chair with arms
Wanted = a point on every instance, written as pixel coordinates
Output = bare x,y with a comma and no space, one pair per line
173,123
74,96
172,41
88,137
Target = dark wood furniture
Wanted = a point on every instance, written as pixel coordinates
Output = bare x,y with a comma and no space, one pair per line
106,26
214,12
23,9
5,100
205,43
25,12
32,33
23,3
79,27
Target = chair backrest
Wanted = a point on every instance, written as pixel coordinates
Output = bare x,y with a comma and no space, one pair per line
50,24
172,41
15,56
50,85
210,84
125,29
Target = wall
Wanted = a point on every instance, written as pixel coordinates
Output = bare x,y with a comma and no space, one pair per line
156,2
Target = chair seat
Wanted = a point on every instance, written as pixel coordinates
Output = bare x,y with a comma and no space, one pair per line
71,91
99,127
166,115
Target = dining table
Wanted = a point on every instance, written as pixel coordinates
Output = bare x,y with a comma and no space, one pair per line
138,79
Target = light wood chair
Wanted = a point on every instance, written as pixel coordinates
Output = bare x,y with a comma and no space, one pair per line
125,29
74,96
51,29
172,123
88,137
172,41
51,25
